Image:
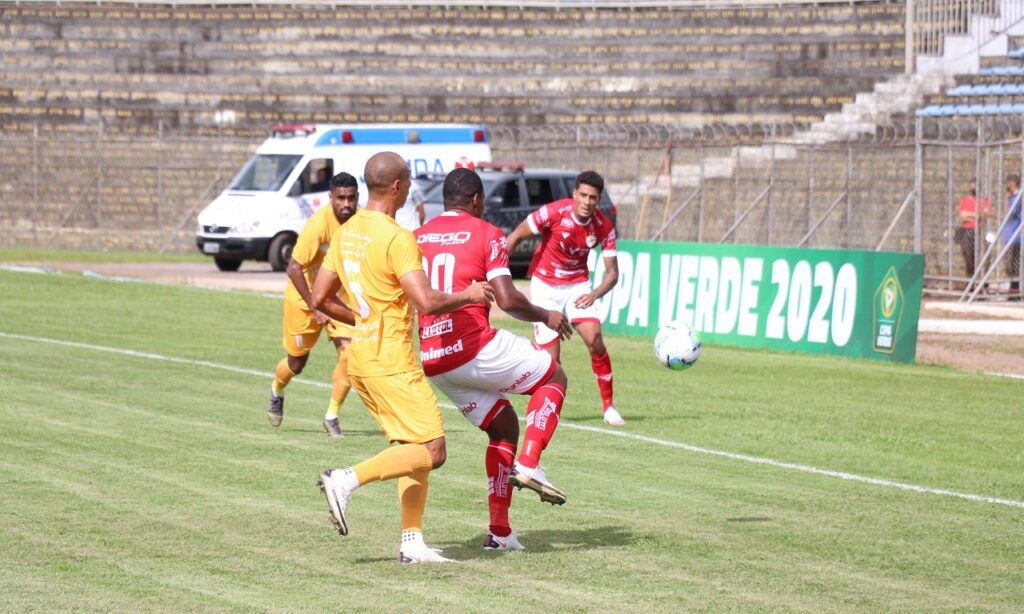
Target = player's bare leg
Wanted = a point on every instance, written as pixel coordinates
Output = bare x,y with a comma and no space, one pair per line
542,416
287,368
601,364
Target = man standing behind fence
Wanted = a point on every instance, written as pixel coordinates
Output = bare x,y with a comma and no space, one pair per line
968,215
1010,235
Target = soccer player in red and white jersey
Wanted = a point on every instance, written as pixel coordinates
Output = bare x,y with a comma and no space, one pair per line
570,228
477,365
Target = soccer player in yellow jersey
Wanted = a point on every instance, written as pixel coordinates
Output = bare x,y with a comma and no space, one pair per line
381,268
302,324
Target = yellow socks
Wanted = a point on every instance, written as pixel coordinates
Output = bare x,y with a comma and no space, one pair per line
412,494
394,462
339,383
282,375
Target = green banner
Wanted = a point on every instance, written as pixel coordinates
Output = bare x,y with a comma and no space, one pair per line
844,302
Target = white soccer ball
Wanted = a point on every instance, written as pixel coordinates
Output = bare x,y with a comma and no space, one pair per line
677,346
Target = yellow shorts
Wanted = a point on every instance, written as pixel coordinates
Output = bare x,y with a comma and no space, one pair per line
403,404
301,330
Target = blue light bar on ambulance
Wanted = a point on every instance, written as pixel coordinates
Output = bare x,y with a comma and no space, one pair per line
388,135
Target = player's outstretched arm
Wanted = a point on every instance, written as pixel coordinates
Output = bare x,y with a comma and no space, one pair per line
513,302
522,231
325,296
430,301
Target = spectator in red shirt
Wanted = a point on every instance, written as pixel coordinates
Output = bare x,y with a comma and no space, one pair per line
968,230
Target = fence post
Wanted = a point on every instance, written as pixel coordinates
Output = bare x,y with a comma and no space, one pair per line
577,147
768,212
99,187
950,228
35,182
908,44
849,195
703,192
810,191
918,184
159,172
736,183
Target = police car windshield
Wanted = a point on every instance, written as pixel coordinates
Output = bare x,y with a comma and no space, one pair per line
265,172
436,193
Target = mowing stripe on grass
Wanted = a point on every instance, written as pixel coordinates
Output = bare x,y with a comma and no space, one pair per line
842,475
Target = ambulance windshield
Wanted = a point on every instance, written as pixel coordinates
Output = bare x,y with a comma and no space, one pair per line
265,172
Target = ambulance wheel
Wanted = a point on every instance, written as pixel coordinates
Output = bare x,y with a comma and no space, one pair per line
280,251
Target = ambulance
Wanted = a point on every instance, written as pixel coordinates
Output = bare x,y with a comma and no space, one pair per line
260,214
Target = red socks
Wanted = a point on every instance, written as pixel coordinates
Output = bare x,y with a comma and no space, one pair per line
498,461
602,366
541,421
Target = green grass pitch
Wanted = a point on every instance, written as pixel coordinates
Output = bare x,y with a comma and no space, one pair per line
130,482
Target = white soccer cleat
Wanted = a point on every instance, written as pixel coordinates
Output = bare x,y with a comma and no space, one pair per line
420,553
536,480
510,542
612,417
337,500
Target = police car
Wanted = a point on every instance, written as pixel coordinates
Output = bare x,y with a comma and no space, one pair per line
511,192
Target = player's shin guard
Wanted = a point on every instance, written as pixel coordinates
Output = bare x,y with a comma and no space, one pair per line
498,462
339,383
282,375
541,421
412,495
602,366
394,462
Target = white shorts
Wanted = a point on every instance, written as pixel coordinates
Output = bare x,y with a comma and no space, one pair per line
509,364
560,298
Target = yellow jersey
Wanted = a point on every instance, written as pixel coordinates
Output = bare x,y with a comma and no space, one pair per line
370,253
310,249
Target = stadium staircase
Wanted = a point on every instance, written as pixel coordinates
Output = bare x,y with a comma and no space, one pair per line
980,72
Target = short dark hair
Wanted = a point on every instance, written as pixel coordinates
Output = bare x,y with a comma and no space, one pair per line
1014,178
344,180
590,178
460,186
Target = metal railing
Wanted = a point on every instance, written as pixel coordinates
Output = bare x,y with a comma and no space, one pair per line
928,22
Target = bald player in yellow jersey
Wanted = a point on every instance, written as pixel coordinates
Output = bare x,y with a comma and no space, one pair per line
381,268
302,325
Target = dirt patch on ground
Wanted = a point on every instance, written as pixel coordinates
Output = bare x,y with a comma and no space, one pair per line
988,353
970,352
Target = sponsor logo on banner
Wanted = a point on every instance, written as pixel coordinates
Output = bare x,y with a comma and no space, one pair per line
888,312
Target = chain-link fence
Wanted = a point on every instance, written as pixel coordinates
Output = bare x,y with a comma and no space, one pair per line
92,190
897,189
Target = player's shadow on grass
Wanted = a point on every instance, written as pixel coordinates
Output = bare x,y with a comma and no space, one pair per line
549,541
345,432
535,542
598,420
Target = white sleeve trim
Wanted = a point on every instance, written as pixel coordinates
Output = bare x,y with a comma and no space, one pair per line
498,273
533,225
608,253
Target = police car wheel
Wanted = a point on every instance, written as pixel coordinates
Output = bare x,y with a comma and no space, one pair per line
227,264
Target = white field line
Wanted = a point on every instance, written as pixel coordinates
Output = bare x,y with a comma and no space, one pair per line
842,475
